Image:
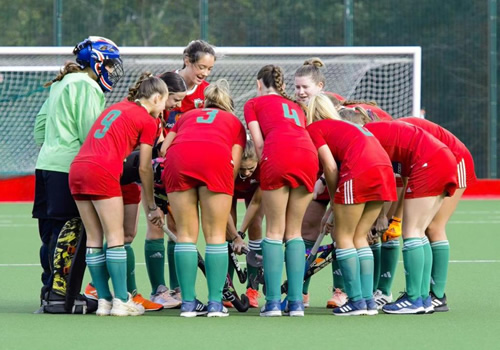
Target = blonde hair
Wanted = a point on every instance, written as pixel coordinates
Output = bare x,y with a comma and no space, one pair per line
217,96
321,107
249,151
311,68
357,115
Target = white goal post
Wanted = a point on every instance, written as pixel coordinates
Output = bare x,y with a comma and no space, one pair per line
391,76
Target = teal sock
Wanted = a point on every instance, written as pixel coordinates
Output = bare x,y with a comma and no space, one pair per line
426,275
413,258
253,245
131,284
186,256
172,274
377,252
154,255
349,265
389,256
96,262
365,257
440,261
308,245
295,252
272,252
338,280
116,261
216,267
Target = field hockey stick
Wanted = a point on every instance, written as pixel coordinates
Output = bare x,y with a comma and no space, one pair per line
242,273
317,244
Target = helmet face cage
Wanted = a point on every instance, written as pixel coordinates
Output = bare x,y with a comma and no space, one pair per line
99,53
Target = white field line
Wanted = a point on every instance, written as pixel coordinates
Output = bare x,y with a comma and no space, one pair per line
244,263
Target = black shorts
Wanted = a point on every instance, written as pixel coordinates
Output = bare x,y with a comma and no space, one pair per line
53,199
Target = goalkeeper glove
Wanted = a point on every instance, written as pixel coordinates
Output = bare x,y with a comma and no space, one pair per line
393,231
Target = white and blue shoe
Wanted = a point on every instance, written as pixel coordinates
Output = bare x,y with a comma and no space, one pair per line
216,309
427,304
404,305
371,307
271,309
294,309
193,308
351,308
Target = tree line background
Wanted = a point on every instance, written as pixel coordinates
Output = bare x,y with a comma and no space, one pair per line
453,36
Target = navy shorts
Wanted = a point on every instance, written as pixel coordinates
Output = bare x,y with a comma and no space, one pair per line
53,199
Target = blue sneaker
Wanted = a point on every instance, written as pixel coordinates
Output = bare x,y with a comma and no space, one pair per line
371,307
216,309
404,305
193,308
351,308
427,304
272,308
294,308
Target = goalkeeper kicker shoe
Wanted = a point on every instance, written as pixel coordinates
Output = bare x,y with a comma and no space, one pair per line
193,308
404,305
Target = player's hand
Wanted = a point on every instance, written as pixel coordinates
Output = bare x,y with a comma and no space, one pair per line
238,245
156,217
319,188
327,226
394,231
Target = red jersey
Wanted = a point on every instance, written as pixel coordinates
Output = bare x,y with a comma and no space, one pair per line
210,125
352,145
195,98
115,134
381,114
454,144
281,121
243,187
405,143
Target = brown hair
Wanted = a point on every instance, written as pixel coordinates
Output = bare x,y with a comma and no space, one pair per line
249,151
358,102
272,76
146,86
357,115
311,68
69,67
217,96
196,49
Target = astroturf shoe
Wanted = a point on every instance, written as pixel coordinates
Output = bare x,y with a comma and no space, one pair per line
294,308
216,309
148,305
176,294
305,299
253,297
128,308
381,299
271,309
90,292
371,307
439,303
351,308
103,307
193,308
164,296
404,305
338,298
427,304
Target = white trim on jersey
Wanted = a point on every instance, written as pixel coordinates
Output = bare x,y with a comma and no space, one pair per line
462,174
348,195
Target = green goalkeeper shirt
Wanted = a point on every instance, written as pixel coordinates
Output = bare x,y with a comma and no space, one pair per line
73,105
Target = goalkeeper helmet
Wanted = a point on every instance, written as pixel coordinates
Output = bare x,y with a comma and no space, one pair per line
103,57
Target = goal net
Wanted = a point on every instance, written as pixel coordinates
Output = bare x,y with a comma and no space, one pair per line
388,75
